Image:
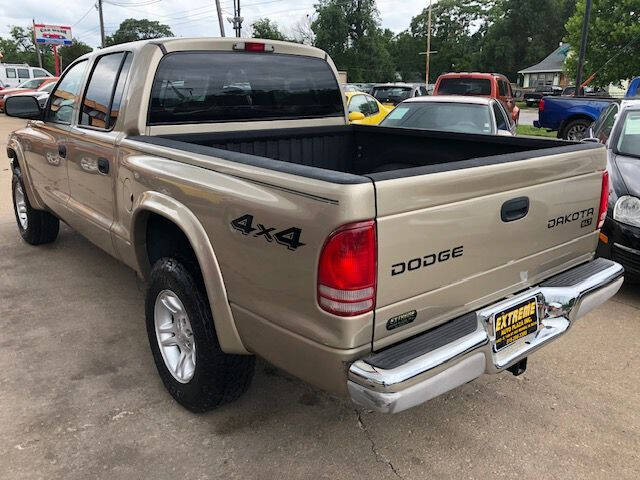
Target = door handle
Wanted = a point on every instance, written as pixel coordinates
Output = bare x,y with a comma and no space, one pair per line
514,209
62,151
103,165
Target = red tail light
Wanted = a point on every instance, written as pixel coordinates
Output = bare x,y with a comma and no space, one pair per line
541,105
604,199
254,47
347,270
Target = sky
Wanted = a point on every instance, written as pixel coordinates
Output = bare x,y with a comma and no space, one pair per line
186,17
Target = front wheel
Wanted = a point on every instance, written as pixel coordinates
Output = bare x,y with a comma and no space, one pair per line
35,226
184,344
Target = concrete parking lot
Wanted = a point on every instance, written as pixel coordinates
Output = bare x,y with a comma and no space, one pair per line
80,398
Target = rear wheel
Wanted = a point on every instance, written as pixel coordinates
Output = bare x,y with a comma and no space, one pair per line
183,340
35,226
576,130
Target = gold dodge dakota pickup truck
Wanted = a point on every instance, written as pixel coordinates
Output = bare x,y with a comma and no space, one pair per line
387,264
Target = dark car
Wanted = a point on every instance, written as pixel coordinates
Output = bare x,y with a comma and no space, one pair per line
619,129
532,98
391,94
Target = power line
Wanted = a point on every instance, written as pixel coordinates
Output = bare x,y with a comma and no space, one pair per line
83,16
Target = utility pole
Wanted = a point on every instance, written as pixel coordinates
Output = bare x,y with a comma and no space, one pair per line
101,23
426,73
220,21
35,44
237,19
583,47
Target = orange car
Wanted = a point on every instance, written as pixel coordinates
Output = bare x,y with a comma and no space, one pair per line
32,85
491,85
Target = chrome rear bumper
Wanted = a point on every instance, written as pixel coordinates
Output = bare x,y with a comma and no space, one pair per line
561,301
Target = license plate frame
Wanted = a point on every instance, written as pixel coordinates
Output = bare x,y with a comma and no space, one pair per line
515,322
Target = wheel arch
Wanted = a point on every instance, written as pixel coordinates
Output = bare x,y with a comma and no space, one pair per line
18,166
573,117
157,204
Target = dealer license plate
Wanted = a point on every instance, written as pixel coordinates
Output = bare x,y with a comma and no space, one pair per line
515,322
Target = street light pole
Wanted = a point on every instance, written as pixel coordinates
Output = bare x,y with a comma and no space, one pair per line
583,47
426,74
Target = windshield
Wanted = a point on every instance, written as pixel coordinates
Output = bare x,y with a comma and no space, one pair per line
449,117
629,141
465,86
35,83
392,94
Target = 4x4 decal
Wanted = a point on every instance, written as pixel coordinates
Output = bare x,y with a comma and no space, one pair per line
289,237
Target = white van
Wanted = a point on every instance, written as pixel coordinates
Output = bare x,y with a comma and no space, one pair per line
13,74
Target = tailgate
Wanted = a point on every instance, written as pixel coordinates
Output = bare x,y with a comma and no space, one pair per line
453,241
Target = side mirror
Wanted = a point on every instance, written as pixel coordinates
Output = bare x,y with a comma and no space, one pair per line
23,106
355,116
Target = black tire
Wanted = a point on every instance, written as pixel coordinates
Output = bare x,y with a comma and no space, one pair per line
573,127
218,378
41,226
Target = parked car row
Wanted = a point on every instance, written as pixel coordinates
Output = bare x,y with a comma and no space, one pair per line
38,87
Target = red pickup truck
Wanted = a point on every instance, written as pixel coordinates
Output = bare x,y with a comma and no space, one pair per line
482,84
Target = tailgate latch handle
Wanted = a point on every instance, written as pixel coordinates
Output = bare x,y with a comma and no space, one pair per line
514,209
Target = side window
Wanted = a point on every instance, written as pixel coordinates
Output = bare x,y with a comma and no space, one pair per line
64,98
359,103
11,72
502,88
23,73
40,73
99,97
604,128
117,96
501,121
373,106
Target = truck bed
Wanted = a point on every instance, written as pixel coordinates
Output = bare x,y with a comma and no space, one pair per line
349,154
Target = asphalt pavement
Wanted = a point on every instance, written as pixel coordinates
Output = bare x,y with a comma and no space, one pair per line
80,397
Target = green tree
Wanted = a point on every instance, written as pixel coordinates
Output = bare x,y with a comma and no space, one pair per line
131,30
20,48
520,33
73,51
265,28
614,25
457,27
349,30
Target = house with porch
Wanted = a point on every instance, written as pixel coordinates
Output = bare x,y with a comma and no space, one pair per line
549,72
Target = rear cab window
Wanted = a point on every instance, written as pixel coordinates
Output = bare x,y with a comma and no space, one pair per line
392,94
464,86
192,87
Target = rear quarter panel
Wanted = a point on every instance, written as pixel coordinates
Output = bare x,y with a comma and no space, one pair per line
263,277
558,110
